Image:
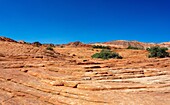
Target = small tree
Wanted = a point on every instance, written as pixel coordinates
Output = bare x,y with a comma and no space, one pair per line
37,44
101,47
157,51
106,54
135,48
49,48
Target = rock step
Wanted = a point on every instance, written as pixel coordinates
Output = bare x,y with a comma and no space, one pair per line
113,86
38,86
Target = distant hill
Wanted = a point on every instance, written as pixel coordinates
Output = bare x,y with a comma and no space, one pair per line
115,44
125,44
6,39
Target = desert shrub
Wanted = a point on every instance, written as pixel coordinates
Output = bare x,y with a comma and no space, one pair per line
61,46
49,48
37,44
50,44
135,48
157,51
101,47
106,54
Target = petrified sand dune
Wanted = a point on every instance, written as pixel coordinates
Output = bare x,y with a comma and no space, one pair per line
6,39
32,75
125,44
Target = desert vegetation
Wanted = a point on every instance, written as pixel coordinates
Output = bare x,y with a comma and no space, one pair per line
101,47
157,51
106,54
135,48
49,48
72,75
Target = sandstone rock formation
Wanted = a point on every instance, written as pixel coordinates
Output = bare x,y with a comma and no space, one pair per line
6,39
31,75
125,44
77,44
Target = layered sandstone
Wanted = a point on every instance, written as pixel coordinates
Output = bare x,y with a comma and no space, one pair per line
31,75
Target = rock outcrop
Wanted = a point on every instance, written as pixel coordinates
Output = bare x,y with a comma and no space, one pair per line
125,44
31,75
77,44
6,39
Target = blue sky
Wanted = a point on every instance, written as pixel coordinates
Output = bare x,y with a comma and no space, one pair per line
63,21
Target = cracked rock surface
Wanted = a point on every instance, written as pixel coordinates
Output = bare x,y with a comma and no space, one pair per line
34,76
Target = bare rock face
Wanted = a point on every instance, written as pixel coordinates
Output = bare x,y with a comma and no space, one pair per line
125,44
26,51
6,39
165,44
21,42
77,44
31,75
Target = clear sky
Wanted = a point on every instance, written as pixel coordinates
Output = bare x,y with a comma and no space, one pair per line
63,21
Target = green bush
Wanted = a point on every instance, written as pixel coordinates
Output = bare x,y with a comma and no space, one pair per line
101,47
61,46
106,54
157,51
37,44
135,48
49,48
